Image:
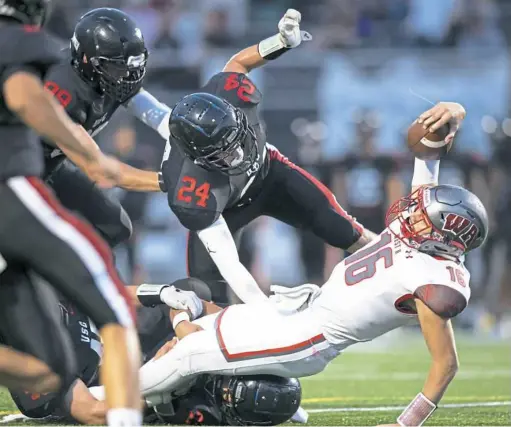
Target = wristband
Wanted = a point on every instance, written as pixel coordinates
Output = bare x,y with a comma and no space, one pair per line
180,317
149,295
417,412
161,182
272,47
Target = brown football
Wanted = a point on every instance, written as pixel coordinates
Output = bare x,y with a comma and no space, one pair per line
425,145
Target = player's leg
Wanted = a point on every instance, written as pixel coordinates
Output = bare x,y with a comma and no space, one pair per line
78,193
69,254
288,346
303,201
30,323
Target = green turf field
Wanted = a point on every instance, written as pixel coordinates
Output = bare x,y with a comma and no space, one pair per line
361,385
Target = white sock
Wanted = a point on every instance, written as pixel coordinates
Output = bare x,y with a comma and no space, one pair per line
425,172
301,416
124,417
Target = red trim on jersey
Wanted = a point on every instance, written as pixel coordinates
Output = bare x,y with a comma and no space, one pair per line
277,155
256,354
88,233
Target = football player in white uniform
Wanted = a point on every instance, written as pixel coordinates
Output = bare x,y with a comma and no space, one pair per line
412,273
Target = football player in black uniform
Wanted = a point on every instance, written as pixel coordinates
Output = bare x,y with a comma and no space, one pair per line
220,172
204,403
37,236
104,71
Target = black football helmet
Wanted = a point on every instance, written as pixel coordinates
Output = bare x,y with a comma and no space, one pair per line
214,134
27,12
256,400
108,50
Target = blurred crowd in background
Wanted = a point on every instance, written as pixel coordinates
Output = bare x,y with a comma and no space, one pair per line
339,106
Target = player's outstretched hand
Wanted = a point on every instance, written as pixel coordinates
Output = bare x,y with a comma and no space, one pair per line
105,171
182,300
443,113
289,29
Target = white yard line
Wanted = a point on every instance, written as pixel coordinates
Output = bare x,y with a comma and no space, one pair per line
400,408
406,376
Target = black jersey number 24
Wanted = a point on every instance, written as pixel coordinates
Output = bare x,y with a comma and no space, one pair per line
190,193
244,89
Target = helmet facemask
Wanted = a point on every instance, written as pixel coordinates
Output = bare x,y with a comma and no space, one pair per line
119,78
235,154
416,229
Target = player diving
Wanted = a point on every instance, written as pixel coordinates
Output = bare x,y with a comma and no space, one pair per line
412,273
220,173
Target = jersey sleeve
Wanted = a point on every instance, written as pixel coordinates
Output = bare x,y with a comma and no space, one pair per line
445,290
236,88
443,300
195,197
28,47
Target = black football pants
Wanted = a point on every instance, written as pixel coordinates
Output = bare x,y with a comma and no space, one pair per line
39,234
78,193
288,194
30,322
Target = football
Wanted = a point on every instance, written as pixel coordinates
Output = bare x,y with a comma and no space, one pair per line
428,145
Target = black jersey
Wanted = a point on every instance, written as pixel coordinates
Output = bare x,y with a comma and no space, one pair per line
88,349
28,49
84,105
198,196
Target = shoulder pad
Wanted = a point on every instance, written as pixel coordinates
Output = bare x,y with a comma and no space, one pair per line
21,45
236,88
196,196
60,83
442,300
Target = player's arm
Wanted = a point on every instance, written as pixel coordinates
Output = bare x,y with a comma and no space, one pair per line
288,37
436,305
85,408
151,112
219,243
129,178
425,172
148,295
26,96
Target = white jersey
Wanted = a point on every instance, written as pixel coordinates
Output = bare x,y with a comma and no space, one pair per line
369,293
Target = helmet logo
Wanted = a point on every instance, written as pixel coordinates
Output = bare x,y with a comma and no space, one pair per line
136,61
461,227
75,42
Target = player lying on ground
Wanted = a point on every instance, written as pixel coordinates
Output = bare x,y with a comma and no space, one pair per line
220,173
39,237
204,401
413,273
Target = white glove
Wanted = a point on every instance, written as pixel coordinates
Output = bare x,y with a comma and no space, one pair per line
182,300
289,29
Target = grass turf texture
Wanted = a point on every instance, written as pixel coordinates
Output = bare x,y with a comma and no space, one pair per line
361,384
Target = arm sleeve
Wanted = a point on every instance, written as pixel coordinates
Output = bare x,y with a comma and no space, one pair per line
220,245
444,301
151,112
